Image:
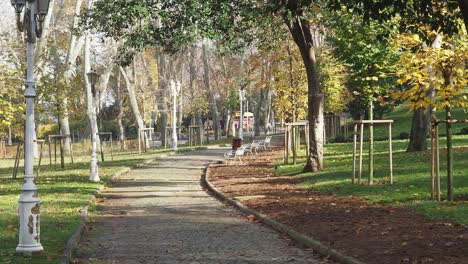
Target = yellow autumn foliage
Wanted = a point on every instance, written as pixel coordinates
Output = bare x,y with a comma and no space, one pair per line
433,77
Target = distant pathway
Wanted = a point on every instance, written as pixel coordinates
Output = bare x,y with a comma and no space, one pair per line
160,214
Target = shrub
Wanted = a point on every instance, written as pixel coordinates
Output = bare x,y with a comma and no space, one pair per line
47,129
404,135
464,131
340,139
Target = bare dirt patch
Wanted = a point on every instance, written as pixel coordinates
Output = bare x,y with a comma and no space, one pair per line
371,233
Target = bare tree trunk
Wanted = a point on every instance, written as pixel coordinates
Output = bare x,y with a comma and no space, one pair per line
74,48
163,88
133,100
419,130
211,94
228,125
463,4
121,113
300,31
259,119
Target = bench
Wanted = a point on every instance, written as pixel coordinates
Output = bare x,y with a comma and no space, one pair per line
265,143
233,154
251,147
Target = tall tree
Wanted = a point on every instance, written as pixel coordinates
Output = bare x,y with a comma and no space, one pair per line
211,94
444,87
130,78
416,16
174,25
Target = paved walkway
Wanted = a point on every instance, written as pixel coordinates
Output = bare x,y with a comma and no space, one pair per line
160,214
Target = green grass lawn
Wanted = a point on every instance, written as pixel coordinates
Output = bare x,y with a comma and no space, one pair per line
411,172
63,194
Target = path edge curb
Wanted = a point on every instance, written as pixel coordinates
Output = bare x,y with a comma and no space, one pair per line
281,228
73,241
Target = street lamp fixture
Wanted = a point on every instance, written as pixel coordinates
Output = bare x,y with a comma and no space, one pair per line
93,78
41,13
241,116
175,89
42,9
29,202
18,5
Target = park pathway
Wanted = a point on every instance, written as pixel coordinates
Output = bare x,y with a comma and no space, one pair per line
159,214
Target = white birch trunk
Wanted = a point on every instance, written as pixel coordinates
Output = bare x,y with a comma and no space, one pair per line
133,100
74,48
121,113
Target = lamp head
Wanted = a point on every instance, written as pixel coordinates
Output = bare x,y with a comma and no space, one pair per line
18,5
93,77
42,8
172,85
242,94
178,86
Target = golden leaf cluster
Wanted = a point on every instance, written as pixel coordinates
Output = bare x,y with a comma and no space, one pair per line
433,77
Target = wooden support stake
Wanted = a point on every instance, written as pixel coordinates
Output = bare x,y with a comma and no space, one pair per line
62,155
353,179
102,150
437,162
71,151
145,139
294,144
17,160
432,162
111,148
390,151
50,153
55,151
139,141
40,159
361,143
190,137
4,151
288,146
307,140
285,146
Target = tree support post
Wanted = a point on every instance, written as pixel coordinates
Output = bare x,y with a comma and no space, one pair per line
437,162
353,179
448,126
390,152
432,161
371,144
361,143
